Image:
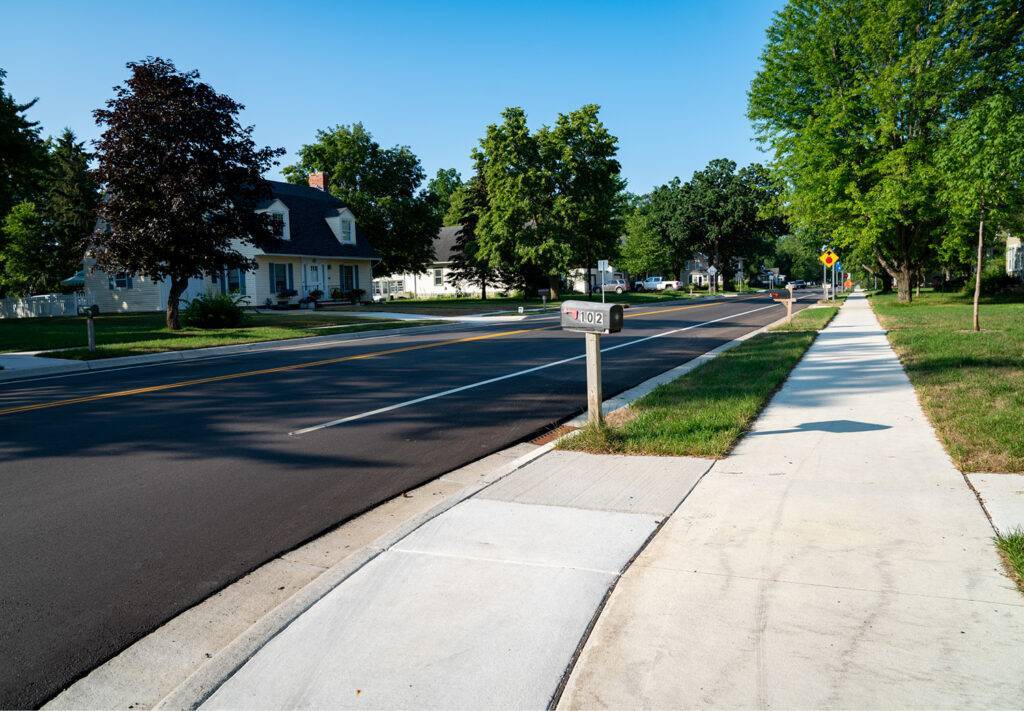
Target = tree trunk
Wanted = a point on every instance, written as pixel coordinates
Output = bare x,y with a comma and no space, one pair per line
553,285
590,282
977,272
483,290
904,284
173,299
886,281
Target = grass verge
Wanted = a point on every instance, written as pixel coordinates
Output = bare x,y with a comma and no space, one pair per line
704,412
971,385
1012,549
137,334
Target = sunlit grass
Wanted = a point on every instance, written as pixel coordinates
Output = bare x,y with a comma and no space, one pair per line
970,384
704,412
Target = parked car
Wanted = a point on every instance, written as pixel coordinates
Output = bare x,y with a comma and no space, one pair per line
656,283
797,284
619,286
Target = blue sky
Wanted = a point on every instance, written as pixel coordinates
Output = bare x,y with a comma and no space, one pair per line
671,77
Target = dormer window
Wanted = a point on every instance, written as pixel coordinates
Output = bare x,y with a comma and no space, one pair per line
346,231
277,224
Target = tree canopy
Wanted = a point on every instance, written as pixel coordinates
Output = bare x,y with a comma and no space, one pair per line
22,151
856,97
382,187
442,187
182,180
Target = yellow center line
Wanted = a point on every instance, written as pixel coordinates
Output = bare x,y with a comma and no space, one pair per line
295,366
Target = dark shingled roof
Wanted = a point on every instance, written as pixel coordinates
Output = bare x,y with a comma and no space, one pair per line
310,234
444,243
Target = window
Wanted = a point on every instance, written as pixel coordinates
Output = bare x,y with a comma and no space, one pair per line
439,277
346,231
348,278
279,280
277,224
122,280
233,281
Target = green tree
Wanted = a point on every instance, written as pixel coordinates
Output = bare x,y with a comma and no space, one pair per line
71,198
589,199
468,203
182,177
443,186
646,250
725,214
983,167
855,97
518,231
22,152
382,187
25,258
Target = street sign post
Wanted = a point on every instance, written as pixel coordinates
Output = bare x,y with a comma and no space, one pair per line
829,260
603,267
592,319
712,281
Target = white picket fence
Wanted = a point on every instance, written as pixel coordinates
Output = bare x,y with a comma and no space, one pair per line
42,305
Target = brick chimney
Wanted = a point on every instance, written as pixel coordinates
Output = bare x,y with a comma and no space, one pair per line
318,180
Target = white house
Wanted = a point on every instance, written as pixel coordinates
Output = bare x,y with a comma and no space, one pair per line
316,247
1015,257
434,281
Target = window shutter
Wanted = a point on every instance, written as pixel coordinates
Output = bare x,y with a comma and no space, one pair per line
110,281
355,277
128,281
241,281
291,281
270,271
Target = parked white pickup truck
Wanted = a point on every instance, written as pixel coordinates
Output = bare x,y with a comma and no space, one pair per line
656,283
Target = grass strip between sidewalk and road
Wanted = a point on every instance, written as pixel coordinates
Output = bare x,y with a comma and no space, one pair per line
141,333
1012,549
971,385
704,412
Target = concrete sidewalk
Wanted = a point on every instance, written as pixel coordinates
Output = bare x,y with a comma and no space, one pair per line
836,559
480,607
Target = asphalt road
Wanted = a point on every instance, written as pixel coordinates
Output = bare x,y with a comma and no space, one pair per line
127,496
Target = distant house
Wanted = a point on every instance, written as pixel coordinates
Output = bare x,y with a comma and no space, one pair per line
1015,257
431,283
316,247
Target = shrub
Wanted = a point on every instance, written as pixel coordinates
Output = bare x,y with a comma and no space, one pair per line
214,311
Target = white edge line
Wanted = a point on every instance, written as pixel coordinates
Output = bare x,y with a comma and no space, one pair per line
527,371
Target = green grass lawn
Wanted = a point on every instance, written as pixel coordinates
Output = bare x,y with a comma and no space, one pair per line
135,334
704,412
971,385
1012,549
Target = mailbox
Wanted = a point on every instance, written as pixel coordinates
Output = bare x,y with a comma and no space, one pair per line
591,317
89,311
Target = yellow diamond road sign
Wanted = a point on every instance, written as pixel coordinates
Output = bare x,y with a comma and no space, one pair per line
828,258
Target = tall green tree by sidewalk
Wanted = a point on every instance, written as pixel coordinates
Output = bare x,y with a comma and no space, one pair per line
182,180
384,189
983,164
855,98
468,203
645,250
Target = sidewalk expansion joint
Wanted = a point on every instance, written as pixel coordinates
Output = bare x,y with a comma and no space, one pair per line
485,559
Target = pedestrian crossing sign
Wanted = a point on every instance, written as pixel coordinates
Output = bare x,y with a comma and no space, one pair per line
828,258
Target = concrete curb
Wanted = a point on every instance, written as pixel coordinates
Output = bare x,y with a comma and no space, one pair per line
82,366
204,682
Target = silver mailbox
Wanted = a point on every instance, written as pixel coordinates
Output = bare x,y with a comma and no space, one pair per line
591,317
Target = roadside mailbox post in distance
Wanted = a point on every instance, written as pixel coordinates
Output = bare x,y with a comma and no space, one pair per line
592,319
